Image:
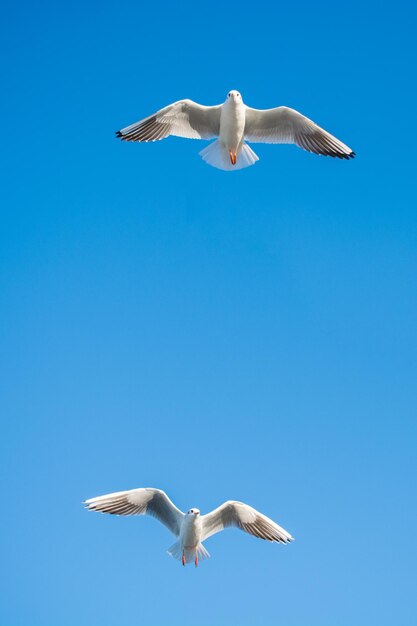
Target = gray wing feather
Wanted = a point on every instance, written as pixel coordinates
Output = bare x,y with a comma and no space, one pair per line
246,518
184,118
145,501
285,125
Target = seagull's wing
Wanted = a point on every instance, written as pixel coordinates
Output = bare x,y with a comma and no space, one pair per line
182,119
284,125
246,518
146,501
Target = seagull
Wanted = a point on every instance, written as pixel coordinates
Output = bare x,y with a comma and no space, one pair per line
190,528
234,123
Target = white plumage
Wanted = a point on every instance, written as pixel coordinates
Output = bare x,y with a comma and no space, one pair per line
190,528
234,123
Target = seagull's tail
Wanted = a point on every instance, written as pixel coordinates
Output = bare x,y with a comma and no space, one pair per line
176,552
217,155
202,552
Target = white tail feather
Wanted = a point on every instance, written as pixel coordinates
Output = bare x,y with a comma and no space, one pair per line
217,155
176,552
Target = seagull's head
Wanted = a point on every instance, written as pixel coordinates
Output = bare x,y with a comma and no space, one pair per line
193,512
234,96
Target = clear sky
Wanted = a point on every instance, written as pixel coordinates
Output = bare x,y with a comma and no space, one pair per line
247,335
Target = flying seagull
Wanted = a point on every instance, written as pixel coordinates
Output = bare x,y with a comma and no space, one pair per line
232,123
190,528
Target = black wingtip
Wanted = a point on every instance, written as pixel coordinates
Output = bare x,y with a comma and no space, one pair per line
119,133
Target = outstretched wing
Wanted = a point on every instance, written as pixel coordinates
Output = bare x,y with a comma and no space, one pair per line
246,518
182,119
285,125
146,501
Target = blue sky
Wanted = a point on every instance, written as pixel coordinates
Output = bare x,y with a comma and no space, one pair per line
247,335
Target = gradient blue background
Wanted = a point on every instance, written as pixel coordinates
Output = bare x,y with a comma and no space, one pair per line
246,335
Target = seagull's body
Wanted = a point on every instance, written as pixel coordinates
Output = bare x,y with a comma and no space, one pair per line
234,123
190,538
190,528
232,127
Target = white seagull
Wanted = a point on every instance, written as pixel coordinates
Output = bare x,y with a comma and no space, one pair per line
190,528
233,122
